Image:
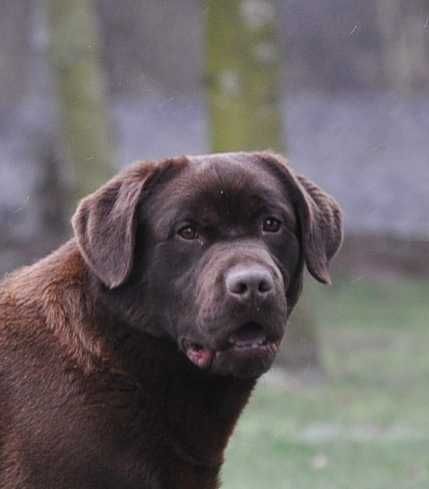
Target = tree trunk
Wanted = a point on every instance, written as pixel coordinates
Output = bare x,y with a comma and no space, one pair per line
243,75
75,60
403,28
244,100
300,352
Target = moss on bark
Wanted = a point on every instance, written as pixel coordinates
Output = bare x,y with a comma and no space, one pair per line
243,75
76,64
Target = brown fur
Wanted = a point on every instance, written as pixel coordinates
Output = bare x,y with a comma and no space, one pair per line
89,397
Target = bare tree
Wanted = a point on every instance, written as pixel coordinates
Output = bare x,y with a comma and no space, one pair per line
243,75
75,60
404,29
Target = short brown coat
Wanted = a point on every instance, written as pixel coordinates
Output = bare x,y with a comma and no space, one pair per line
88,400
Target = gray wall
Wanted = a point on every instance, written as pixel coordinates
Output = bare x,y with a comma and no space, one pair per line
352,122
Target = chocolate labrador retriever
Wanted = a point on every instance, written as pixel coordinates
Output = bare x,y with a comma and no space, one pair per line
127,355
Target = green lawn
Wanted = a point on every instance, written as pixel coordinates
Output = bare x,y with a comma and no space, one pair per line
367,427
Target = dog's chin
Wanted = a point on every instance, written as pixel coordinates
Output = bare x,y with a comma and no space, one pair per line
247,353
244,363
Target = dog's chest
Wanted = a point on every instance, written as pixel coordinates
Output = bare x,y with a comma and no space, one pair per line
100,432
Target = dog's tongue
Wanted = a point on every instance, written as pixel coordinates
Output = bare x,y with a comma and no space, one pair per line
201,357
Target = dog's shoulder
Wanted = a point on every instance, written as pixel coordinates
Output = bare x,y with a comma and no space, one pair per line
46,307
26,294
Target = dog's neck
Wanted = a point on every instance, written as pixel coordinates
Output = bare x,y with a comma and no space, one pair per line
202,408
203,413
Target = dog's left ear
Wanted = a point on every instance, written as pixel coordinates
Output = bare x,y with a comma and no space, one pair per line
319,214
322,228
105,223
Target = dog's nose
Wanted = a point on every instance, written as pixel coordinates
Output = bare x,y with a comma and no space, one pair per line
244,283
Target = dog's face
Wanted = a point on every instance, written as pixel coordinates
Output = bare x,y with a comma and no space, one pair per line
208,251
221,247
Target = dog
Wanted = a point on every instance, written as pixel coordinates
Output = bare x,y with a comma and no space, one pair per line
127,355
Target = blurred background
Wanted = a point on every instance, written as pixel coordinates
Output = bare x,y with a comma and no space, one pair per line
342,88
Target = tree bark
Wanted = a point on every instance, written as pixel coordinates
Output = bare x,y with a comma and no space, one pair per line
243,75
244,100
403,29
75,60
300,352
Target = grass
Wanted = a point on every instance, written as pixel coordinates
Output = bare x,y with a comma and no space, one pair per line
367,427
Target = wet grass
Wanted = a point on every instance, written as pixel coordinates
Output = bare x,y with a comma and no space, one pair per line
367,426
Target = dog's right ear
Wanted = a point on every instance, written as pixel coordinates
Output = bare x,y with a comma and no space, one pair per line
320,217
105,223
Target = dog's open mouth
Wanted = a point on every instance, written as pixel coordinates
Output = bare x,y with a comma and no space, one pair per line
249,340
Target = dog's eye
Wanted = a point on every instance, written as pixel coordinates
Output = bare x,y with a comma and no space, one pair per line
188,232
271,225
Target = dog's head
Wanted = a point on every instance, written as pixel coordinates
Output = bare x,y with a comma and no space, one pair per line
208,251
